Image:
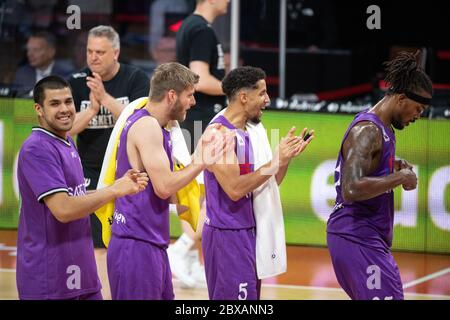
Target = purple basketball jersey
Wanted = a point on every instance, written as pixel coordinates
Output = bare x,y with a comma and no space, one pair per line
143,216
229,240
138,266
54,260
221,211
369,222
359,234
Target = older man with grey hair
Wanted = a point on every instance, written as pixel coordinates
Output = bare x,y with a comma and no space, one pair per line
100,93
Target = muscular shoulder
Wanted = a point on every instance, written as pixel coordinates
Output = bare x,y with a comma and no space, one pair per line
146,126
365,129
363,135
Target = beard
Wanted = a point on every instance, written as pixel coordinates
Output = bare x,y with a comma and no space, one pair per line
398,125
177,112
256,119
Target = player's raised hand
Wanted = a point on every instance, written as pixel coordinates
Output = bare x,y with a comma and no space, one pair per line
305,138
211,132
215,144
289,144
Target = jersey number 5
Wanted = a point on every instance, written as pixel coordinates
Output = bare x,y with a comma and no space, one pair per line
243,291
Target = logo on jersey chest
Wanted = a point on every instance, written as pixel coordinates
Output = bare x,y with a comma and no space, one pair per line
79,190
240,140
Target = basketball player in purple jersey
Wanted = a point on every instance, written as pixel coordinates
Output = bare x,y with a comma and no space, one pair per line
359,231
229,231
138,266
55,255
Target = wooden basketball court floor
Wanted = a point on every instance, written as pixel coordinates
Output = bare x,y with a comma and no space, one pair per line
309,276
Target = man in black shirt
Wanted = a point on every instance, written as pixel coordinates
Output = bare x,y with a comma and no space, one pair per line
198,48
100,92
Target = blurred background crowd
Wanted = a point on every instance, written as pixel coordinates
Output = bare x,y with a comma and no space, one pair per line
329,46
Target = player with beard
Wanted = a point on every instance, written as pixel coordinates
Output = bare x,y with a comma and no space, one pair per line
138,266
360,228
229,232
198,48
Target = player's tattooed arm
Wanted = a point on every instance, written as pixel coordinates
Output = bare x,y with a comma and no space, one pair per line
361,154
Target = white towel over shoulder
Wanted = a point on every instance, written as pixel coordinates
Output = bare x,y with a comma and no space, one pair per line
270,235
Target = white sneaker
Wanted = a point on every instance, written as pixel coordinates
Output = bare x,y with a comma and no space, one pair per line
180,267
197,270
199,275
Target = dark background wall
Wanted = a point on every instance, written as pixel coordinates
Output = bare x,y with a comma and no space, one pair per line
356,52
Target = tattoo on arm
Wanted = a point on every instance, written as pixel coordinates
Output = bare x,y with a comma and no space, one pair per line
361,152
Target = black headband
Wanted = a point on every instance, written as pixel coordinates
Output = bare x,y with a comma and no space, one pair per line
415,97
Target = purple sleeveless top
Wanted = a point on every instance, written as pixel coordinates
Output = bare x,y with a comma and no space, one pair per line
221,211
369,222
143,216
